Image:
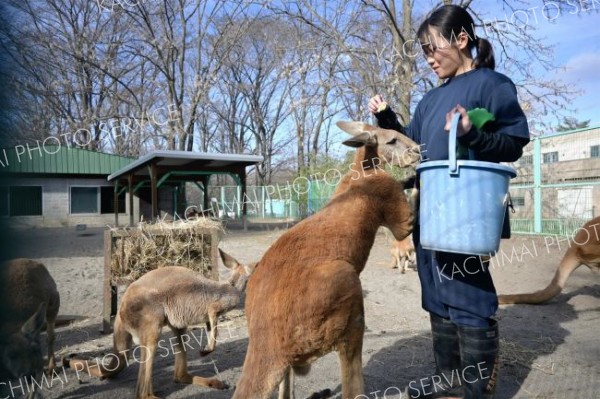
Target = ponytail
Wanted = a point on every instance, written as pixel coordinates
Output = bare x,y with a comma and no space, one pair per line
485,54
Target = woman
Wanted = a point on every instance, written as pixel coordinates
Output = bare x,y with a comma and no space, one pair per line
461,303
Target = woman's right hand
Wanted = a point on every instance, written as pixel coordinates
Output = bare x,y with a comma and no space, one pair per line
377,104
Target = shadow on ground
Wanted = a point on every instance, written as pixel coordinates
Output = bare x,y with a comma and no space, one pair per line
523,341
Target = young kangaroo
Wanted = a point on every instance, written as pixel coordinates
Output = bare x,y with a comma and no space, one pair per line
305,297
173,296
583,250
29,301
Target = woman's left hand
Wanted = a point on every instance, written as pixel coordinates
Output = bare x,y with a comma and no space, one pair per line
464,124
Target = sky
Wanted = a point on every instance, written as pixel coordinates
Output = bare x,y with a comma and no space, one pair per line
576,35
574,32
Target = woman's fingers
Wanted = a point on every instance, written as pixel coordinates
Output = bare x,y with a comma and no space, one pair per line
465,123
377,104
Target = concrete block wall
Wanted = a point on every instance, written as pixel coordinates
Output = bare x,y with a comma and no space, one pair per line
56,204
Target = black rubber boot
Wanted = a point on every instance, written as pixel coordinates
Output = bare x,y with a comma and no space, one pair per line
446,350
479,360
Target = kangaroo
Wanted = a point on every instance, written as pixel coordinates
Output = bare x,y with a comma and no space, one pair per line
583,250
403,254
173,296
30,302
304,299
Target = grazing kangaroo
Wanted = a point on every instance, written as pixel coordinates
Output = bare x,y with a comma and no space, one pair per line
173,296
29,302
304,299
584,249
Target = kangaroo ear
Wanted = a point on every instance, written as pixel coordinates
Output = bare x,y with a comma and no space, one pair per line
229,261
359,140
33,327
355,128
362,132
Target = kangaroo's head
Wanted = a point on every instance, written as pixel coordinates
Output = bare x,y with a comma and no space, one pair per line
239,273
23,357
392,147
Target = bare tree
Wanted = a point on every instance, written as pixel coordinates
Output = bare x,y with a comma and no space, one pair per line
180,39
382,55
265,91
239,76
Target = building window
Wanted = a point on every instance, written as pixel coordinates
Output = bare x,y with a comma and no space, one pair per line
526,160
518,201
551,157
84,200
23,201
595,151
95,200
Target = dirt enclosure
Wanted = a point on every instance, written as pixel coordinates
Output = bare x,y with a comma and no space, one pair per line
547,351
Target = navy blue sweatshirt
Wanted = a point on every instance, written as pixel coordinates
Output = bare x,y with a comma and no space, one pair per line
501,140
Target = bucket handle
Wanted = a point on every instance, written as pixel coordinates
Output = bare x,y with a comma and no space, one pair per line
453,165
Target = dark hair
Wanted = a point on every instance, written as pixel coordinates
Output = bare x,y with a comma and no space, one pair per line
450,21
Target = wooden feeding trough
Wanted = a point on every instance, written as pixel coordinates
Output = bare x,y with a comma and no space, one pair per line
129,253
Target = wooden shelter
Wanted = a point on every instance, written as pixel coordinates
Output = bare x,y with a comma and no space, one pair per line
168,167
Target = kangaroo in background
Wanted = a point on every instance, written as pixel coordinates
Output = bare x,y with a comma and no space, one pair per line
403,251
177,297
403,254
584,249
29,302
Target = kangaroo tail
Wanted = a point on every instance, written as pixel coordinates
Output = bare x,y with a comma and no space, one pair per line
117,359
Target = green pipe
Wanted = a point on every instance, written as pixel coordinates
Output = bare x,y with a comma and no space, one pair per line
537,186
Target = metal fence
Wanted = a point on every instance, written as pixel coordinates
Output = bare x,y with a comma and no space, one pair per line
262,202
557,188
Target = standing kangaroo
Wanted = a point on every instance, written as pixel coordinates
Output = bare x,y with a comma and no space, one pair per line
177,297
403,254
29,302
305,298
584,249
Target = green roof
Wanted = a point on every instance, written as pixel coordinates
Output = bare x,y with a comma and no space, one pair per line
59,160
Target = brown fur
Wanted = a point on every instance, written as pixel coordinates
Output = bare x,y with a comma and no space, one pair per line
305,297
583,250
177,297
30,302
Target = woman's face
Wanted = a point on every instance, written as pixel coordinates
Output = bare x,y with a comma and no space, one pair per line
445,56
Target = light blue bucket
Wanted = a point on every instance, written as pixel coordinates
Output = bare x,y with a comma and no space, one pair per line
462,203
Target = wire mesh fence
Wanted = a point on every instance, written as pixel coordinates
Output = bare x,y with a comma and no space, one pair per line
557,188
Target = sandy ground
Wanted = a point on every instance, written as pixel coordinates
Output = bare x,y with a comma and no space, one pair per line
548,351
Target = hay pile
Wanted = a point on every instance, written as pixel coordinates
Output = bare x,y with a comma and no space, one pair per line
136,251
511,353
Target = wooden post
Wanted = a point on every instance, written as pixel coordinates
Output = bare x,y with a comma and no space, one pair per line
242,175
206,199
214,253
116,202
154,191
130,191
109,291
